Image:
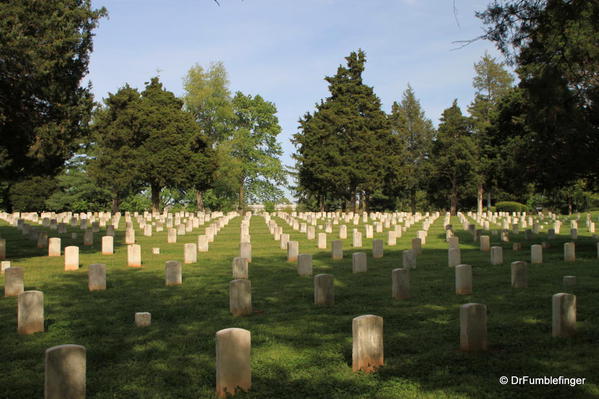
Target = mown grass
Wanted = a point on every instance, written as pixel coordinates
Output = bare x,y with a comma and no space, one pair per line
299,350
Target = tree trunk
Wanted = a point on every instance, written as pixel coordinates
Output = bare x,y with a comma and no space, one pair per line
155,198
116,204
353,200
570,206
199,200
366,202
321,202
479,199
489,200
453,199
413,200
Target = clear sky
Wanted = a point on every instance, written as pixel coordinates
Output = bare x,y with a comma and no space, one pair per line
282,49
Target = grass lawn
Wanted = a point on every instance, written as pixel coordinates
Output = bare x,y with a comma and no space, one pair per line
300,350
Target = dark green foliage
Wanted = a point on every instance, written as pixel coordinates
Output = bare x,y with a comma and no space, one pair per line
555,46
44,52
30,195
510,206
345,150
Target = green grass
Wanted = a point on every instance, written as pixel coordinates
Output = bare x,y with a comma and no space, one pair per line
299,350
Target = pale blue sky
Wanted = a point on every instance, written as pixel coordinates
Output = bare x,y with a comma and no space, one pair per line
282,49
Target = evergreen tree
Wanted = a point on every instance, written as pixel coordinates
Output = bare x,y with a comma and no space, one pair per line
492,81
455,155
44,53
415,133
346,144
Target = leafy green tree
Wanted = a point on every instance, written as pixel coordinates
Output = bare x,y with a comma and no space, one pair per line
171,143
555,49
77,191
30,195
415,133
44,53
454,155
254,150
345,149
208,98
116,132
492,81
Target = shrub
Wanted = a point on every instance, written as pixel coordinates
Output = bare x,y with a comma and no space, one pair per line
510,206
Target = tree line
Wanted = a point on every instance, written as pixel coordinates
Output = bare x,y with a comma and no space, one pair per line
534,142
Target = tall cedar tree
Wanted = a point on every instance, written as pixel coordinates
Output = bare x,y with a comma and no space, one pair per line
345,148
555,46
491,82
43,109
455,155
172,150
117,134
415,133
254,150
208,98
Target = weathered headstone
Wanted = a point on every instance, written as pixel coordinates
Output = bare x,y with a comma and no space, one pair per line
88,238
292,251
569,252
107,245
519,274
536,254
496,255
245,251
240,297
377,249
65,369
233,368
324,289
463,279
454,257
485,243
359,264
71,258
240,268
367,343
569,281
190,253
173,273
143,319
564,315
202,243
304,265
96,277
54,248
408,259
357,239
134,255
2,248
417,246
322,240
473,327
337,251
129,236
400,283
30,312
171,236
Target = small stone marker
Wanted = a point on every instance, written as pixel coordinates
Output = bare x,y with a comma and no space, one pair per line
2,248
304,265
496,255
134,255
155,251
485,243
65,369
30,312
96,276
171,236
292,251
173,273
283,241
343,232
573,234
129,236
463,279
569,252
13,281
564,315
473,327
71,258
54,247
454,242
517,246
536,254
408,259
190,253
357,239
359,264
454,257
337,251
240,268
107,245
367,343
391,238
324,289
5,264
240,297
400,283
245,251
377,249
233,368
88,238
143,319
569,281
519,274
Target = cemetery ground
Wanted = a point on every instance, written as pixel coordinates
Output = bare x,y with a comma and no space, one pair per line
300,350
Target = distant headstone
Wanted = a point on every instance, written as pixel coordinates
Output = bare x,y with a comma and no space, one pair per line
143,319
359,264
30,312
304,265
173,273
71,258
400,283
240,297
240,268
97,277
519,274
324,289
